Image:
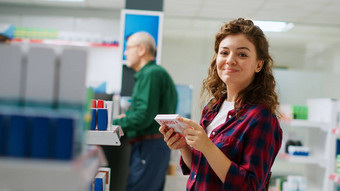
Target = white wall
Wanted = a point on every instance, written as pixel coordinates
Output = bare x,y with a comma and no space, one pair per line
187,58
104,66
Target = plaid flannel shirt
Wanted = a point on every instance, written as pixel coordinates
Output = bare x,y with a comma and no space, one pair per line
251,142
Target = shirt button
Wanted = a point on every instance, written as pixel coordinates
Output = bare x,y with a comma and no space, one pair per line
195,176
213,133
229,116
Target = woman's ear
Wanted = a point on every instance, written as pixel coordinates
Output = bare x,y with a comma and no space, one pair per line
259,66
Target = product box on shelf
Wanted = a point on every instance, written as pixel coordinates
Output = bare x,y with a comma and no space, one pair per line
99,182
290,112
321,110
10,74
101,112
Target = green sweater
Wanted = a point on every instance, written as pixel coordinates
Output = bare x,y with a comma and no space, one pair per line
154,93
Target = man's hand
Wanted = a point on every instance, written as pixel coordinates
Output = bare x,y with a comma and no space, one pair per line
121,116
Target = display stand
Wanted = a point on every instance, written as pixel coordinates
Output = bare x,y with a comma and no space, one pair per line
110,137
52,175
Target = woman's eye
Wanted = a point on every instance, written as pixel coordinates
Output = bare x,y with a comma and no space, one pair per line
224,53
243,55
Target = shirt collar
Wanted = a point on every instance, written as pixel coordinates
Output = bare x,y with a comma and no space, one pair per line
140,72
218,104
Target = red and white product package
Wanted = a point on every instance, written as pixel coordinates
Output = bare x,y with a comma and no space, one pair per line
170,120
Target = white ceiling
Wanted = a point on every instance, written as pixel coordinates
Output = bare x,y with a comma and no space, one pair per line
325,12
313,19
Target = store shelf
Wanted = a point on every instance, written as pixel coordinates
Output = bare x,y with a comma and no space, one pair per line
111,137
335,178
303,159
41,175
305,124
65,42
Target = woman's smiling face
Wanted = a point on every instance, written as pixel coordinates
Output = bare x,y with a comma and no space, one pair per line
236,61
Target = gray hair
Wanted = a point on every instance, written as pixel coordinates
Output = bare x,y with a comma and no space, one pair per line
147,40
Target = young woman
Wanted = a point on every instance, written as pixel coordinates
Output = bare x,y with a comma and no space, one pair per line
239,136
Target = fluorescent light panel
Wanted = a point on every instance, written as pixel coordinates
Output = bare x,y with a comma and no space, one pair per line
274,26
62,0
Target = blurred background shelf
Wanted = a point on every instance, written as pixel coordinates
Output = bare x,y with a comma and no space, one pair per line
52,175
305,124
303,159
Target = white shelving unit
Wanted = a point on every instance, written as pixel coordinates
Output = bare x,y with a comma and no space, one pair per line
306,124
52,175
110,137
319,166
334,177
303,159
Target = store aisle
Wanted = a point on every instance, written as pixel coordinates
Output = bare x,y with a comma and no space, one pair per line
176,182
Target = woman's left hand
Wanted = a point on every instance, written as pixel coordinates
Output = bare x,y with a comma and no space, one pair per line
195,135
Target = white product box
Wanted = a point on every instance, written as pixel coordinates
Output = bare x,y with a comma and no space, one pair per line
170,120
108,106
40,81
10,72
72,77
322,110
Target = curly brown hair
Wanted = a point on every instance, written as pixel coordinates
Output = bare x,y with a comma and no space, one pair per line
262,88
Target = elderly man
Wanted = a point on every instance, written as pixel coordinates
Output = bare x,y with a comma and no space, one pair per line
153,93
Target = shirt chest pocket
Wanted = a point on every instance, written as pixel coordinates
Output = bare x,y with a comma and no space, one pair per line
231,147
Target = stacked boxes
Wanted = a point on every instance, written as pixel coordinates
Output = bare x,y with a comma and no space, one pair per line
42,101
101,115
41,136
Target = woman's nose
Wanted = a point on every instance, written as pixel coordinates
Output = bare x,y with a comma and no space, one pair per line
231,59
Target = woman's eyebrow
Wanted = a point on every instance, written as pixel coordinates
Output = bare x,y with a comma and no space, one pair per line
246,48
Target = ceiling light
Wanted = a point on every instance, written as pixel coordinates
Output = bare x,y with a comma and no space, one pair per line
62,0
274,26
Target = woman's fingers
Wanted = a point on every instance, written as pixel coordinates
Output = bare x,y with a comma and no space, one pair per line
162,129
173,140
188,131
177,142
189,122
168,134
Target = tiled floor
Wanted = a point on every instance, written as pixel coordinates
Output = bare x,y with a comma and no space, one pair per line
175,182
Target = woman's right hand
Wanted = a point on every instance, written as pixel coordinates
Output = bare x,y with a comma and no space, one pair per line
173,139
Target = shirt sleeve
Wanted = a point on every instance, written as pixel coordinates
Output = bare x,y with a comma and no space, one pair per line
144,104
262,142
185,169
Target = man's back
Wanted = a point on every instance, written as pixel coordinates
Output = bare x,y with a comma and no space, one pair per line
154,93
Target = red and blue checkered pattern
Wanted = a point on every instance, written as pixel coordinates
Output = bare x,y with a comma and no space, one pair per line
251,142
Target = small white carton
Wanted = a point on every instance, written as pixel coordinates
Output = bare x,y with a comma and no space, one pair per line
170,120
